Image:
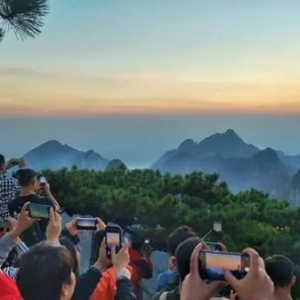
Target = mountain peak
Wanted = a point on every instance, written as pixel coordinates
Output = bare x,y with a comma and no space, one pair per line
227,144
267,155
187,145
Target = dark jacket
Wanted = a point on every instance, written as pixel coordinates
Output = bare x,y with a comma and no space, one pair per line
86,284
171,295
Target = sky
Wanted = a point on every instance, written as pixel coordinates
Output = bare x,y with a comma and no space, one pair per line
132,79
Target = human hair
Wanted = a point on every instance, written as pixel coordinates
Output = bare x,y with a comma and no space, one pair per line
179,235
183,256
137,242
280,269
26,177
71,247
42,272
2,160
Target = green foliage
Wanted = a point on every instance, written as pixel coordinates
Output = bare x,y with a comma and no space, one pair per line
149,198
160,203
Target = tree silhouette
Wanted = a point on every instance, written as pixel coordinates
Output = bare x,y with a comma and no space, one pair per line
23,17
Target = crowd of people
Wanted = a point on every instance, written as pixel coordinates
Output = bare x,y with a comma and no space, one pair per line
40,258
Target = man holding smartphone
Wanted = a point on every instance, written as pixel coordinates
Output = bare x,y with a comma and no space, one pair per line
30,186
9,187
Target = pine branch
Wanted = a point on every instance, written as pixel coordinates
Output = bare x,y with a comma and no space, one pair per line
24,17
1,34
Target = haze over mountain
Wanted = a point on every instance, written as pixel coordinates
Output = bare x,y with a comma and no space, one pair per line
241,165
238,163
54,155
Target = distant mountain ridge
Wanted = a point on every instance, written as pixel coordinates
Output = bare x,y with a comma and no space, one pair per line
241,165
55,155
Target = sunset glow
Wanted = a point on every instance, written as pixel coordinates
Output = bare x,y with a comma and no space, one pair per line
168,58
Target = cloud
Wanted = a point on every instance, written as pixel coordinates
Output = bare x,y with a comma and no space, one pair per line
29,92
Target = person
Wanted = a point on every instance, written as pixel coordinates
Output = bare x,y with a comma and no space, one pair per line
9,187
169,280
29,187
142,267
256,285
281,271
116,273
45,272
8,288
12,241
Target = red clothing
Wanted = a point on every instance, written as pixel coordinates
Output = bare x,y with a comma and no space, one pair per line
142,267
8,288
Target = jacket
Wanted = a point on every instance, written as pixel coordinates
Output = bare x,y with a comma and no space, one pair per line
8,288
86,284
142,268
109,288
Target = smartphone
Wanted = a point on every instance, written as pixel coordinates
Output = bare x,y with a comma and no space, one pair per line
213,263
147,242
113,239
14,162
43,180
86,224
39,211
214,246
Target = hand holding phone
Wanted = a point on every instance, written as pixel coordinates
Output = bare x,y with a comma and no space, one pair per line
113,239
43,181
86,224
212,264
39,211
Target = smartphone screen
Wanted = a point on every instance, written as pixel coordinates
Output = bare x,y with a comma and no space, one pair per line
39,211
43,180
86,224
112,239
213,263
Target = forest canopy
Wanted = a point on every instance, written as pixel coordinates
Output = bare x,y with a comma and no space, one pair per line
149,198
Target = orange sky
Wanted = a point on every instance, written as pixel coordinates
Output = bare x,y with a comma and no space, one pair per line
27,92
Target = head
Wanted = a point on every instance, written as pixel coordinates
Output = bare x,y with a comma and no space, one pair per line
179,235
73,251
281,271
2,163
46,272
183,255
137,242
28,180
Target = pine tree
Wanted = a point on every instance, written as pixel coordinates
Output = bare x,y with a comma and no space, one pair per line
23,17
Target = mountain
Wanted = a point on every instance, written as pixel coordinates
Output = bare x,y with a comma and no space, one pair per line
115,164
227,144
241,165
294,193
55,155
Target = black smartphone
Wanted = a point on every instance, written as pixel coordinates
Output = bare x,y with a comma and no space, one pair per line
113,239
86,224
39,211
14,162
213,263
214,246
